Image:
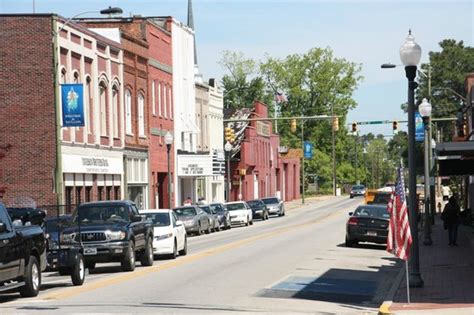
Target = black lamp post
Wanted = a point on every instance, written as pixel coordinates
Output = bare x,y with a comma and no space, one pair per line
410,54
228,148
169,142
425,112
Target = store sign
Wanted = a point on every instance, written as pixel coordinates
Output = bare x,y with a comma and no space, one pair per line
194,165
91,164
263,128
72,105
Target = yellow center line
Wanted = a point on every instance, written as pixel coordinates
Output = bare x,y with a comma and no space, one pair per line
69,292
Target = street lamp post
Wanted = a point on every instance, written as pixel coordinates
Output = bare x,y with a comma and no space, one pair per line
228,148
169,142
425,112
410,54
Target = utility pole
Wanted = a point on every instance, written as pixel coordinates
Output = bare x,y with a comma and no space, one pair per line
333,153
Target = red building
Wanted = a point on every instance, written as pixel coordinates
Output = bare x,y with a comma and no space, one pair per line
258,170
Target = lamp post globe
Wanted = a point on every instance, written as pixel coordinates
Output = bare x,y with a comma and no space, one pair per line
168,138
410,52
169,142
425,108
227,149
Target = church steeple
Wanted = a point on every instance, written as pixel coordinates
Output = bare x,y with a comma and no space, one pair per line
191,25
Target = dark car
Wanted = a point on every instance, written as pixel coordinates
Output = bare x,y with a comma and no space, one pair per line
222,214
111,231
357,190
53,227
194,218
368,223
259,209
275,205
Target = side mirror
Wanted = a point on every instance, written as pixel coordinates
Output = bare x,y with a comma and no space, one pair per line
136,218
351,213
179,223
3,227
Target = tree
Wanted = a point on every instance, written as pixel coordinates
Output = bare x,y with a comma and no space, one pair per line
448,70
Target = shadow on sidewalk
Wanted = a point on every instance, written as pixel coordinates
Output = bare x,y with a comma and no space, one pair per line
447,272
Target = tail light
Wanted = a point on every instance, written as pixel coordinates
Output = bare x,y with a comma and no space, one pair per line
352,221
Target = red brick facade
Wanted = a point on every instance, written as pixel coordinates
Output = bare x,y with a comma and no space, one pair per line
27,123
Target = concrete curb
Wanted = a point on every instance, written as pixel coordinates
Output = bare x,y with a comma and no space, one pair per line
384,309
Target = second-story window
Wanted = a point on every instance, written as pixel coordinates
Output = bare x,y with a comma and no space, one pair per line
165,93
116,112
141,115
159,99
128,112
89,109
153,99
103,109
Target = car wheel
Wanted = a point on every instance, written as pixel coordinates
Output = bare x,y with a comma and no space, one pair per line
352,196
218,228
147,255
283,213
251,222
175,250
90,265
247,222
184,251
32,279
78,273
128,261
208,231
350,243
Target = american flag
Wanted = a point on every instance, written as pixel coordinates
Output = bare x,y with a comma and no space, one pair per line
399,236
280,97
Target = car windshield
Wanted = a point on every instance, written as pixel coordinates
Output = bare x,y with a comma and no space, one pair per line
187,211
235,206
217,208
375,212
358,187
206,209
158,219
269,201
101,214
56,224
257,204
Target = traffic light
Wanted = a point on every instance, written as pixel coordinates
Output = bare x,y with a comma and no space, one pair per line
395,126
293,125
354,127
335,123
229,134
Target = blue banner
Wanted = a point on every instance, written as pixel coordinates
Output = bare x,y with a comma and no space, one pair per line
419,128
308,150
72,105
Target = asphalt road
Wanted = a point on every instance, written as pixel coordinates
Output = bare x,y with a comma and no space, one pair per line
292,264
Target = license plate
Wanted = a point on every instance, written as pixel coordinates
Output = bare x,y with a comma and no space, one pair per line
371,233
90,251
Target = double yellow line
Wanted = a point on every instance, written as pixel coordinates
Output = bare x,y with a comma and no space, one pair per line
69,292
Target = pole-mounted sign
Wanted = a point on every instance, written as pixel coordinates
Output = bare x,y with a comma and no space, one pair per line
72,105
308,150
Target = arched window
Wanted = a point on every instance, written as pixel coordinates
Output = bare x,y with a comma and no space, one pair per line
63,78
76,77
88,105
103,109
141,115
165,91
128,112
153,99
115,111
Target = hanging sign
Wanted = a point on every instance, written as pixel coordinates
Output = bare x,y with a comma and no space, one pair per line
308,150
72,105
419,128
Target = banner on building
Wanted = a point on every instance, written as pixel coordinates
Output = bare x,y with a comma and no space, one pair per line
72,105
308,150
419,128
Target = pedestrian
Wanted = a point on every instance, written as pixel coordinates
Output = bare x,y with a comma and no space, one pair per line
202,201
450,216
187,202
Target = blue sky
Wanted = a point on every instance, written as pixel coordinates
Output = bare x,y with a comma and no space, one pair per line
365,32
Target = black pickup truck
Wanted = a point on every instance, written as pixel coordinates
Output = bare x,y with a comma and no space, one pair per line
22,256
111,231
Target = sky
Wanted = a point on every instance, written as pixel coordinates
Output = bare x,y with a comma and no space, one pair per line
369,33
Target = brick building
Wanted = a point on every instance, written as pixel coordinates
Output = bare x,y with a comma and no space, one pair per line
257,168
43,158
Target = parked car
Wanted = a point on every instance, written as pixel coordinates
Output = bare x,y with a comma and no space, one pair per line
194,218
240,212
169,234
111,231
53,227
215,226
357,190
275,205
368,223
259,209
22,256
222,214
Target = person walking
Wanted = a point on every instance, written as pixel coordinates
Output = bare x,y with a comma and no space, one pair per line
450,216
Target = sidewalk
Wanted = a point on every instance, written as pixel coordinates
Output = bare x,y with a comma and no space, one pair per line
448,275
293,204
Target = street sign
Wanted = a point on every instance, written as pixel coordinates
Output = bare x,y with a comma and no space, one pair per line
419,128
308,150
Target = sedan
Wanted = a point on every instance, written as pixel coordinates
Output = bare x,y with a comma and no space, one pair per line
275,205
169,233
222,214
195,219
368,223
215,226
357,190
240,212
259,209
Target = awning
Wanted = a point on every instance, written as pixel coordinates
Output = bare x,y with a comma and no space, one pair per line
455,158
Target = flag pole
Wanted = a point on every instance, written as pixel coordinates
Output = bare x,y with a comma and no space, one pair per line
408,281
